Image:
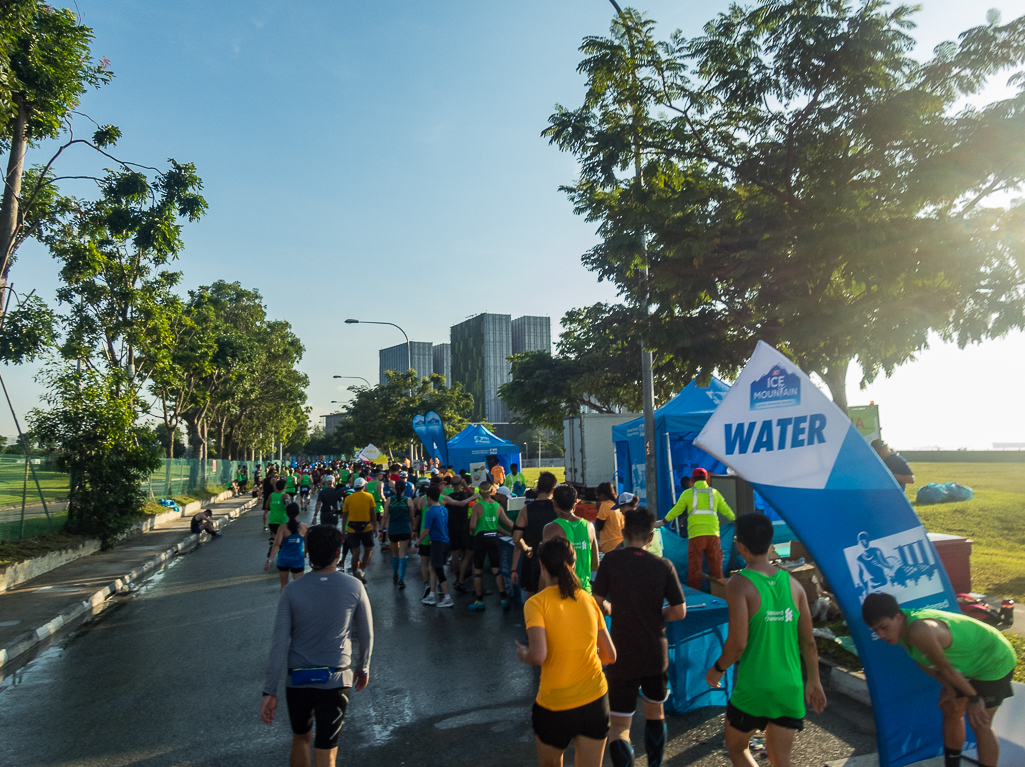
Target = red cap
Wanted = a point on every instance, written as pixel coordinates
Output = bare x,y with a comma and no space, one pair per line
699,474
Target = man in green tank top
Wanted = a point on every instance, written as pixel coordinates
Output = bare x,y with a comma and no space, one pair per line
579,532
486,519
770,629
974,663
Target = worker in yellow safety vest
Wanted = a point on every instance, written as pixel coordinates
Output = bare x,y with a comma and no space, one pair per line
702,505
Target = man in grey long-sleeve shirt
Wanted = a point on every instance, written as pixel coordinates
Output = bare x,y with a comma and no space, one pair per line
313,640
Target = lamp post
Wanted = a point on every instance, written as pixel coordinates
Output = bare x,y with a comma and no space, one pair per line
409,352
647,381
361,378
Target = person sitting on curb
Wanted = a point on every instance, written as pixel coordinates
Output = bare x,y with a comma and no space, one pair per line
203,523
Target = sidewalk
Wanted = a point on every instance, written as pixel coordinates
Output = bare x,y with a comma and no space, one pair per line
35,610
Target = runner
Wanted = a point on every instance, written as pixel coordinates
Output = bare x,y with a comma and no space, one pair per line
360,525
242,477
313,639
329,503
609,523
289,547
973,662
636,584
457,502
376,489
528,533
268,488
203,523
435,526
423,549
291,486
567,638
276,514
485,520
579,532
398,527
769,693
305,484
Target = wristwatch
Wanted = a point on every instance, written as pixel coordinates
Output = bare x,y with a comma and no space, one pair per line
974,698
716,667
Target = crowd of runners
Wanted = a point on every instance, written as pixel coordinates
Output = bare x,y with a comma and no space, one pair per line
597,599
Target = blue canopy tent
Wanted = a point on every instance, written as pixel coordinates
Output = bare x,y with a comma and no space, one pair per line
677,423
475,443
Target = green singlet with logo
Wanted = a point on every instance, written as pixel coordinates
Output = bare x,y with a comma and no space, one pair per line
769,679
578,535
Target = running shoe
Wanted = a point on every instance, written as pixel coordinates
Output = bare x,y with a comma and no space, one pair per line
478,606
395,578
446,602
506,604
461,588
361,575
402,584
429,599
427,590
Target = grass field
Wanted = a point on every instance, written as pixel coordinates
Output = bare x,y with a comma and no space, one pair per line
993,519
532,474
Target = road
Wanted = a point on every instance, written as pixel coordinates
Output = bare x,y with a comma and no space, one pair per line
173,676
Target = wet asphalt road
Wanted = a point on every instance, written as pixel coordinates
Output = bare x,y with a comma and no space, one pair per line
174,674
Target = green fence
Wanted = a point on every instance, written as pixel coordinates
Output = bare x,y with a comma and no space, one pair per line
28,509
23,513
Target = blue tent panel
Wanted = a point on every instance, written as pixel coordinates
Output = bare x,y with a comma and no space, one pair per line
475,443
677,423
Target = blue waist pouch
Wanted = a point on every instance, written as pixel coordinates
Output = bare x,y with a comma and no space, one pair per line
310,675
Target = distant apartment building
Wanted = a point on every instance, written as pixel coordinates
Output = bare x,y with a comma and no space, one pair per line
443,361
531,334
480,349
395,358
332,421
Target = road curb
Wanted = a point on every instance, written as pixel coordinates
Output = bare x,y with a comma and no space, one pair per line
850,683
98,600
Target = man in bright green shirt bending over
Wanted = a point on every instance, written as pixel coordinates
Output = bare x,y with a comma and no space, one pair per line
974,663
702,505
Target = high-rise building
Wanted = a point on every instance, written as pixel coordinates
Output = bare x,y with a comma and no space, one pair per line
531,334
395,358
443,361
480,349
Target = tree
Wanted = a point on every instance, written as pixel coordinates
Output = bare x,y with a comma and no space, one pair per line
45,67
597,366
805,182
101,445
383,414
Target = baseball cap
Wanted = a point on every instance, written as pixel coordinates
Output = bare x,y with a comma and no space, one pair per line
434,470
360,482
699,474
403,474
625,499
878,443
507,492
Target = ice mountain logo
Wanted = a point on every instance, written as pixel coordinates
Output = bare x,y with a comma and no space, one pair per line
777,388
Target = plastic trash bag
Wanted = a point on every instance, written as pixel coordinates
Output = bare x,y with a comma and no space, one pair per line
943,492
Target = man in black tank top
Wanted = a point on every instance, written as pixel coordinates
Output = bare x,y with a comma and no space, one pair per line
528,532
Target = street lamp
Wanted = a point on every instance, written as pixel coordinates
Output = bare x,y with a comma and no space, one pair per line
409,353
364,380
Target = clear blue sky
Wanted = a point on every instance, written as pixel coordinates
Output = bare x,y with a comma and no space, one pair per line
382,160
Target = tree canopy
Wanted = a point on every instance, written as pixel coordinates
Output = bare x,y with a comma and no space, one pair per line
806,182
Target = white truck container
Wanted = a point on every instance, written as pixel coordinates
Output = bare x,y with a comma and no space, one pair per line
590,452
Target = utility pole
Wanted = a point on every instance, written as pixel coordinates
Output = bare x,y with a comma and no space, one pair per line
647,381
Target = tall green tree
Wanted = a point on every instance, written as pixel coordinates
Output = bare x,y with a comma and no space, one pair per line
383,414
806,182
596,366
45,66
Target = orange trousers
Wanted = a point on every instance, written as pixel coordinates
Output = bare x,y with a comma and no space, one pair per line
710,546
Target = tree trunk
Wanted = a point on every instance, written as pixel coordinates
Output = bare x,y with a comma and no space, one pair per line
10,207
835,377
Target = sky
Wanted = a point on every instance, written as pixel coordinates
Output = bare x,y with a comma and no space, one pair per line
383,161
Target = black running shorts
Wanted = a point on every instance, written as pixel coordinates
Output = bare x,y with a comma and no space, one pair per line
485,545
355,540
994,692
748,723
623,692
558,728
326,706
